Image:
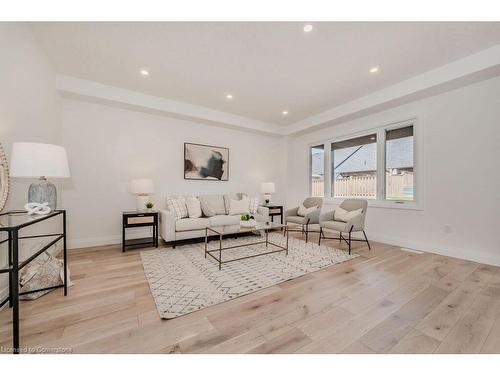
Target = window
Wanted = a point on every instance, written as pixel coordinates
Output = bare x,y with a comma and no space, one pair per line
317,171
354,168
378,165
399,164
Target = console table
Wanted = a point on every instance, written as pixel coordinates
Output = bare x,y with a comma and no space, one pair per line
12,223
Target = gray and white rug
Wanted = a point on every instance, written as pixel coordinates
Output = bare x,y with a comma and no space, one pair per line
183,281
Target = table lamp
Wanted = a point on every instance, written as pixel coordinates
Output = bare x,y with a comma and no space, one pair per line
39,160
142,187
267,188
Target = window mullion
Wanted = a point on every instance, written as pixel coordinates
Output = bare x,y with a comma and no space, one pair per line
380,164
328,170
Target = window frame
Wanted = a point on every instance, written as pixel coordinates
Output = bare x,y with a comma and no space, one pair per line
380,201
309,173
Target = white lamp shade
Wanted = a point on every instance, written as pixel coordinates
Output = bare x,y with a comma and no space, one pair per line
142,186
267,188
37,160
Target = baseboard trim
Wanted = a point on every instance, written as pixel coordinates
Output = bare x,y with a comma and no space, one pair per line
449,251
116,239
94,241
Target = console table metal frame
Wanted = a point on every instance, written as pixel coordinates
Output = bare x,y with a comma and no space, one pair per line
221,249
15,265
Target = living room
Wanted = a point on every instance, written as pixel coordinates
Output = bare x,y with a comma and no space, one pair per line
308,186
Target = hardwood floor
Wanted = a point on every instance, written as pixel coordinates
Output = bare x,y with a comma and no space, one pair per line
385,301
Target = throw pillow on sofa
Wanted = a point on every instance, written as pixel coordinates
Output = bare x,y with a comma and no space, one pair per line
303,211
177,206
228,197
254,205
343,215
212,204
193,207
238,207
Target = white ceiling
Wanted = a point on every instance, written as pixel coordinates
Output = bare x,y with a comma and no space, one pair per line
267,67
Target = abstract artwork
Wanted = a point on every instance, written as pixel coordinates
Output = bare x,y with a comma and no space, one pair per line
203,162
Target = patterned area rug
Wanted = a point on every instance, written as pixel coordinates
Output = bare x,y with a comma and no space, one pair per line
183,281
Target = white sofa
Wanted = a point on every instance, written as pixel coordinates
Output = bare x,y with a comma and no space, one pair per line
173,229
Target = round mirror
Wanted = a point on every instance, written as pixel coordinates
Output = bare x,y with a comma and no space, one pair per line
4,178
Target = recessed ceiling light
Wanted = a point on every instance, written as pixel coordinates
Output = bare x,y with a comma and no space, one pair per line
229,96
308,28
144,72
372,138
374,69
285,113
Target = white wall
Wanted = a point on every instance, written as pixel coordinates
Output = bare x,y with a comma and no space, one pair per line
29,107
461,165
29,102
107,147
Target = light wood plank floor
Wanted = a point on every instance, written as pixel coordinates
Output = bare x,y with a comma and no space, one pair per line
385,301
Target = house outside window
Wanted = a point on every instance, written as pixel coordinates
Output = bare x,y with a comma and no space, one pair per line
354,168
399,164
317,171
379,165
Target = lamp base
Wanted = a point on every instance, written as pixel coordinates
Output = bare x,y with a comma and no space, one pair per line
267,198
43,191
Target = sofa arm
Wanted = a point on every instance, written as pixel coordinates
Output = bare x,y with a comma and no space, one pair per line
167,225
326,216
264,211
292,212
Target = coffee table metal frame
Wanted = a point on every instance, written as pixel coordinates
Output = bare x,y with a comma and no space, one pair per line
220,232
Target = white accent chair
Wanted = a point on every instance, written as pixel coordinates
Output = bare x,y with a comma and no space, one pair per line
356,224
292,216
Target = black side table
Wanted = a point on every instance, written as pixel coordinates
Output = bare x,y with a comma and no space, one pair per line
136,219
275,210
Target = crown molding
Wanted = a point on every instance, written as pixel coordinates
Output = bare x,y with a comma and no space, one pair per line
474,68
462,72
110,95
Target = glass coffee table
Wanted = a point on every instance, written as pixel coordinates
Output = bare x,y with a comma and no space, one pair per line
237,229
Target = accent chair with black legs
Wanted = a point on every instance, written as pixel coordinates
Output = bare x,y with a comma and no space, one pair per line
304,215
348,218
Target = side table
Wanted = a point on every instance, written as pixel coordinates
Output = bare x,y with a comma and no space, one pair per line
137,219
275,210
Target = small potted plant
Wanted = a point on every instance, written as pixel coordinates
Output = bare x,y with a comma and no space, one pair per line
247,220
149,205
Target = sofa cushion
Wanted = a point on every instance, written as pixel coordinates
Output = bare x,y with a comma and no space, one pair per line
193,207
191,224
238,207
219,220
212,204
